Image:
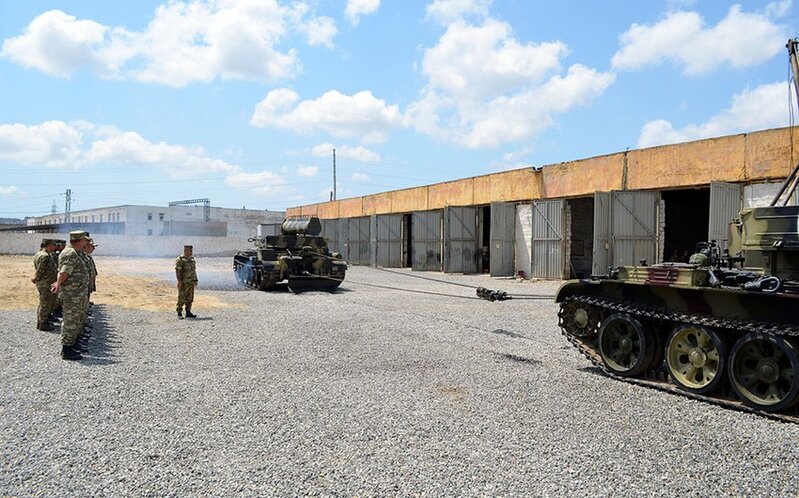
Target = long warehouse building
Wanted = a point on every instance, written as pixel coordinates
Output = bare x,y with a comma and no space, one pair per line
569,219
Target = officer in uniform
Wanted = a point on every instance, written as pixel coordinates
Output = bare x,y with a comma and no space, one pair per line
46,273
186,273
72,287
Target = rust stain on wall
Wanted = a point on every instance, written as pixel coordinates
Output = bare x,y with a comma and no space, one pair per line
768,154
408,200
582,177
456,193
350,208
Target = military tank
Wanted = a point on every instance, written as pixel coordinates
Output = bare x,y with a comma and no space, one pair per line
710,329
298,257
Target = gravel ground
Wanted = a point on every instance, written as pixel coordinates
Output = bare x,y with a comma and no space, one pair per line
367,392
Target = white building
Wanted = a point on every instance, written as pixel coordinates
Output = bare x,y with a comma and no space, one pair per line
161,220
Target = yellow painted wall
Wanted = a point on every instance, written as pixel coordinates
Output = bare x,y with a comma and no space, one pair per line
758,156
456,193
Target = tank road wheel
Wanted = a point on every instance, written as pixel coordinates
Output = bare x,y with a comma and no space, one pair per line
764,371
696,358
627,347
579,319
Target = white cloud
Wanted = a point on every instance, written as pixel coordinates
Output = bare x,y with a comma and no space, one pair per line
360,177
485,87
308,170
185,42
82,144
739,40
761,108
357,8
447,11
359,153
52,143
321,31
10,190
263,182
361,115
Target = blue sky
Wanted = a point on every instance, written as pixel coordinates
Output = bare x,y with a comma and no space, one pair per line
242,101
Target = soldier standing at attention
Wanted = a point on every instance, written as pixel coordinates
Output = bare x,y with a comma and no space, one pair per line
71,285
46,273
186,273
59,246
92,266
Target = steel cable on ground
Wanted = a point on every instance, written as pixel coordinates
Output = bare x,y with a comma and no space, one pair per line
418,291
515,296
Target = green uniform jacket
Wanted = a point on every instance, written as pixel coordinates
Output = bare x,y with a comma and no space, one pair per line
46,269
187,269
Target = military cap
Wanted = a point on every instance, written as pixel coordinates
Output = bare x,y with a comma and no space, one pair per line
77,235
188,247
48,242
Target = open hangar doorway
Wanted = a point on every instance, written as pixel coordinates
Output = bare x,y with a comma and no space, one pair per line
686,216
580,238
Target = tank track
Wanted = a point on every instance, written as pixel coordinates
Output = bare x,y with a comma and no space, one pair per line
658,378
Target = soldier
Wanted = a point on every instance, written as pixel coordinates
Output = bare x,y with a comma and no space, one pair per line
71,285
46,274
92,266
59,246
186,273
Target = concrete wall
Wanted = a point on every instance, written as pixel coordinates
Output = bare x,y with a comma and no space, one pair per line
135,246
746,158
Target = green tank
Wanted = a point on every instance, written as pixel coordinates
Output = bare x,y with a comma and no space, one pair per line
716,329
298,257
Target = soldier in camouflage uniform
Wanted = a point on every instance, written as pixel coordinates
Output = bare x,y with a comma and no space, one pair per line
71,285
46,273
92,267
186,273
59,246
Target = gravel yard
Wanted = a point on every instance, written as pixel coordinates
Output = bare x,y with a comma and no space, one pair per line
365,392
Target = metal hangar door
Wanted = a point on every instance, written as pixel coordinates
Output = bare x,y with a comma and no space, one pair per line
460,240
725,204
548,240
358,241
426,240
625,228
388,240
503,238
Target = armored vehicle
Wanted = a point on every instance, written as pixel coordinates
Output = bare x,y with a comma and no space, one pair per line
723,327
298,256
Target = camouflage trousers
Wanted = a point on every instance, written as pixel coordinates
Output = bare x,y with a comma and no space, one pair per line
185,295
47,302
74,305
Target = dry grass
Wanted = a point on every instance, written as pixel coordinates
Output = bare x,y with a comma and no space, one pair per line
18,293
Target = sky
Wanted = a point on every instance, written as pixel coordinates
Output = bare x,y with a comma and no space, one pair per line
243,101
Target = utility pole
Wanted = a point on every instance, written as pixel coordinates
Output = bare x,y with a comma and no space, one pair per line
68,206
334,174
53,208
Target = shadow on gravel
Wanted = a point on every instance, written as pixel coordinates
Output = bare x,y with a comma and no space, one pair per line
519,359
200,319
508,333
102,341
592,370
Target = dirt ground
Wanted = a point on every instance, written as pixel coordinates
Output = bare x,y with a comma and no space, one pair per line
117,284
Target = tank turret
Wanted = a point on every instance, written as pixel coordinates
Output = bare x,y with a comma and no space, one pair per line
298,256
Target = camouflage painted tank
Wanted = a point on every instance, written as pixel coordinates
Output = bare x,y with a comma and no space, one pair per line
711,329
298,256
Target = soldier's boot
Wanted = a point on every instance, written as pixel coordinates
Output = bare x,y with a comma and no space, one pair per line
189,314
80,347
69,353
180,314
45,326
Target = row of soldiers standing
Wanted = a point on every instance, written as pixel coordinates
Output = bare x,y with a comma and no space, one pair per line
66,277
